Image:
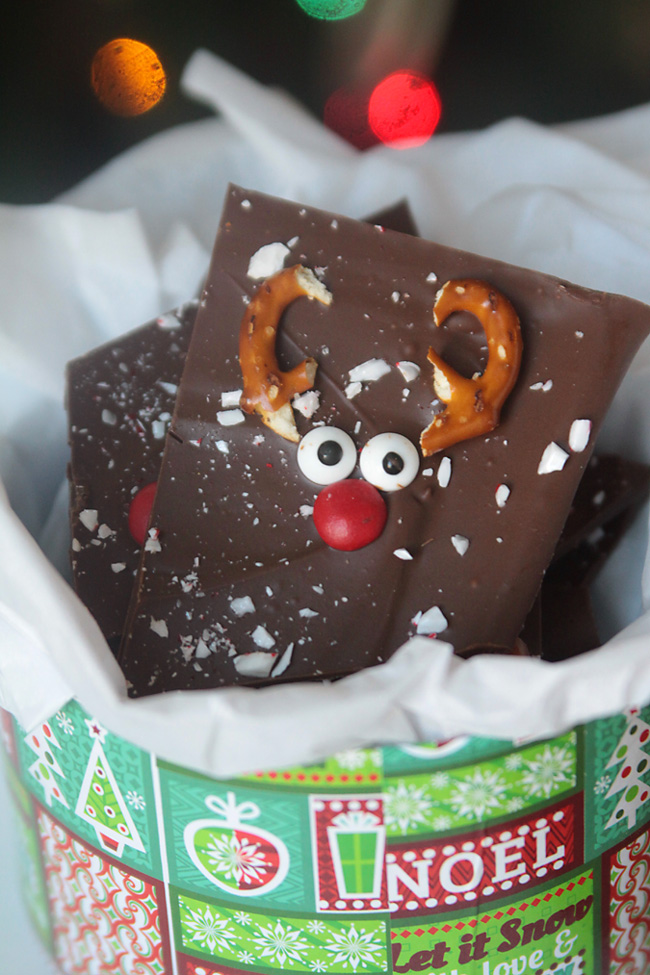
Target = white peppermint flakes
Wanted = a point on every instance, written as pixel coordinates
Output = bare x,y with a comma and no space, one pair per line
501,495
267,260
460,543
409,370
403,554
254,664
109,418
579,435
229,418
118,567
262,638
431,622
89,519
242,605
230,398
369,371
553,459
283,662
444,472
353,389
159,627
544,386
307,403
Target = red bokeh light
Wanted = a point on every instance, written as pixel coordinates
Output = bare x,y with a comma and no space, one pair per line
404,109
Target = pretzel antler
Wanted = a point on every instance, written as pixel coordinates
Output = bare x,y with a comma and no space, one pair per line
267,389
473,405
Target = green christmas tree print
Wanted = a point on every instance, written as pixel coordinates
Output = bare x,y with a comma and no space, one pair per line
101,802
634,761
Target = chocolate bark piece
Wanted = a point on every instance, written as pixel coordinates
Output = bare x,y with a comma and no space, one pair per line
243,589
120,399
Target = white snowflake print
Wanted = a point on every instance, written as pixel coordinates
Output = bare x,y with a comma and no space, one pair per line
545,773
352,758
514,804
241,917
315,926
513,762
246,958
96,730
406,806
65,723
208,929
352,948
135,800
439,780
478,794
602,785
281,944
236,858
442,822
317,965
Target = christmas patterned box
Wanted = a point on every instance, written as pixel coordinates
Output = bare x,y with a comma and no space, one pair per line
473,856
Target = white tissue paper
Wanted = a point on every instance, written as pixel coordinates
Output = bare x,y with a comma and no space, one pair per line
133,240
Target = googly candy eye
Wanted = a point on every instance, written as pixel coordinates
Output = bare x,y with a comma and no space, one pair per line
326,455
389,461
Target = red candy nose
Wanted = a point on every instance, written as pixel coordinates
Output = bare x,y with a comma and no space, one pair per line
140,512
349,514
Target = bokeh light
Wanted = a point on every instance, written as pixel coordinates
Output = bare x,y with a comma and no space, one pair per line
404,109
127,77
346,113
331,9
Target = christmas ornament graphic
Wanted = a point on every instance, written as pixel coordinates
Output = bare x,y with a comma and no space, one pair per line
238,858
42,741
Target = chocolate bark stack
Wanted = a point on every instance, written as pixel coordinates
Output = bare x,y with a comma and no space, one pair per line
234,584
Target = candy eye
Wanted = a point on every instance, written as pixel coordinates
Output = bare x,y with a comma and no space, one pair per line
326,455
389,461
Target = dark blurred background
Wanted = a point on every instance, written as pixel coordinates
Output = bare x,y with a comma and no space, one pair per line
553,61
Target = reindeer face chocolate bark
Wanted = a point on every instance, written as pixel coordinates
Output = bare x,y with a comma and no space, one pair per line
243,588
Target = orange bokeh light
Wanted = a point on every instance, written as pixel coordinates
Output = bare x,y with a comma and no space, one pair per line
404,109
127,77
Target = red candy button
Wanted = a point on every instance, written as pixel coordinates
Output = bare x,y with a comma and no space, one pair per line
140,511
349,514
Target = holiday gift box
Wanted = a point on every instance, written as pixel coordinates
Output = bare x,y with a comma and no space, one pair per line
478,817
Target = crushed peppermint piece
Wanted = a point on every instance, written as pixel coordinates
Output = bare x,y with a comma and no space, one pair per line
598,498
292,243
544,386
403,554
369,371
105,532
158,429
254,664
579,435
242,605
263,638
318,589
171,388
580,335
267,260
444,472
230,398
431,622
460,543
353,389
501,495
118,567
202,649
152,544
76,545
553,459
229,418
395,297
307,403
307,613
88,518
159,627
432,277
167,321
283,662
409,370
306,510
222,446
245,204
109,418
